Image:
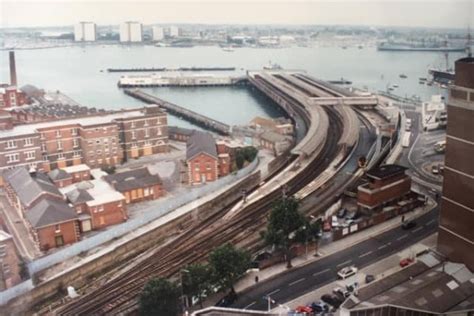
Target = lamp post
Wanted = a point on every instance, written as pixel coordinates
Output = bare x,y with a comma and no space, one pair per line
183,302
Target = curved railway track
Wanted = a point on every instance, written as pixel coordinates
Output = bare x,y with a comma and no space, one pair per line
119,295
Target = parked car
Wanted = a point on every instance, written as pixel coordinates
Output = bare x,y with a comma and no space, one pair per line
352,286
347,272
406,262
304,309
369,278
435,169
341,213
332,300
319,307
408,225
327,226
341,292
334,221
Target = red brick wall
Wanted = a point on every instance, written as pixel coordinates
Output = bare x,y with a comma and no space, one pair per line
81,176
101,145
63,183
224,166
387,194
202,166
6,101
10,261
110,214
46,235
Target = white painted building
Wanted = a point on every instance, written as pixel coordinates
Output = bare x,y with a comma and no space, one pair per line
130,32
175,31
85,32
158,33
433,113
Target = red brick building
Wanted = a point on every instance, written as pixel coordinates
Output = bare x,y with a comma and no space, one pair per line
137,185
387,183
9,262
11,96
201,158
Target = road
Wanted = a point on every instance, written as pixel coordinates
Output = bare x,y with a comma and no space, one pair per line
299,281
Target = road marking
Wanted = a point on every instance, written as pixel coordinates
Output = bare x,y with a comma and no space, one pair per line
417,229
383,246
253,303
344,263
273,292
321,272
297,281
404,236
365,254
430,222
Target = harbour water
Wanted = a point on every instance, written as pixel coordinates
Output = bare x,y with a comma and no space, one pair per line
80,72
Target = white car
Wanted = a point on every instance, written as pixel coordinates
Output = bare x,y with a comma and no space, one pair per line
334,221
347,272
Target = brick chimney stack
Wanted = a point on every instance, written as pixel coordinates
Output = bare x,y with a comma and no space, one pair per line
13,81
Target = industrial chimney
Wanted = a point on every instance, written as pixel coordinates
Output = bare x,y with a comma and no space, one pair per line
12,69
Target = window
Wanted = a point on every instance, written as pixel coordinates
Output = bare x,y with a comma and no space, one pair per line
158,131
77,153
78,210
60,156
147,143
134,145
28,141
59,241
42,135
73,131
58,133
6,270
100,208
147,132
134,135
11,144
146,192
75,142
132,124
45,157
146,123
57,228
43,147
12,158
30,155
33,165
59,144
3,250
208,166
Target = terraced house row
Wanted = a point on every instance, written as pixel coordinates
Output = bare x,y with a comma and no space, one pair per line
99,140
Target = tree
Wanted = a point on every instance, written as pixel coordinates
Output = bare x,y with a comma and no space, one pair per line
228,265
239,159
159,297
283,225
309,232
196,280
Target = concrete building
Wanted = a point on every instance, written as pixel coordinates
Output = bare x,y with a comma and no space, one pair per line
100,140
456,234
131,32
9,262
386,184
179,134
201,158
174,31
274,142
137,185
85,32
158,33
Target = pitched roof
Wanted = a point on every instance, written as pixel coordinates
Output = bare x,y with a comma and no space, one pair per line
200,142
58,174
28,188
386,171
132,179
48,212
78,196
180,130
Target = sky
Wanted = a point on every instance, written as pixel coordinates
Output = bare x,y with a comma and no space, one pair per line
423,13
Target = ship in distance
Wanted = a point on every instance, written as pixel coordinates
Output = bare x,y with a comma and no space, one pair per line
419,47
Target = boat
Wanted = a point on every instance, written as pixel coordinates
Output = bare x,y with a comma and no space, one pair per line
403,76
227,49
423,79
429,83
344,47
271,66
441,76
360,46
395,85
419,47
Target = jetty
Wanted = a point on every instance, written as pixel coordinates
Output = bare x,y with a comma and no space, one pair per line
188,115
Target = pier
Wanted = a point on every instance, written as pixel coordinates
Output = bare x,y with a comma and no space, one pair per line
178,79
191,116
161,69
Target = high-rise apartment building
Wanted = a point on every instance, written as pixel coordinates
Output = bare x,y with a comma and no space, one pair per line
456,228
130,32
158,33
85,32
175,31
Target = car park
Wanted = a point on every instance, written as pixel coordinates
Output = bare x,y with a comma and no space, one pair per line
347,272
408,225
332,300
406,262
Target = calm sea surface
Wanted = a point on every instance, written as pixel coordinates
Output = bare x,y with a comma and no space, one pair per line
76,71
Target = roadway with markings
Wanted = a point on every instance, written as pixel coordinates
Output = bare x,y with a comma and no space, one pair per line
299,281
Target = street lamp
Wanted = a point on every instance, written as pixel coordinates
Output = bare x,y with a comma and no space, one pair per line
183,302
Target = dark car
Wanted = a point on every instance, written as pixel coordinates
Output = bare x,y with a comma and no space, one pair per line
369,278
408,225
353,215
341,213
319,307
331,300
227,300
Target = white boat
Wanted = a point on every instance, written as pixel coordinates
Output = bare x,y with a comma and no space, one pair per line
227,49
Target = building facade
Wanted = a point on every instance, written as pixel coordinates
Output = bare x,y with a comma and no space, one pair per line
456,234
9,262
130,32
201,158
158,33
85,32
12,96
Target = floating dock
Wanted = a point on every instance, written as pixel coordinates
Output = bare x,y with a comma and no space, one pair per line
152,69
191,116
179,80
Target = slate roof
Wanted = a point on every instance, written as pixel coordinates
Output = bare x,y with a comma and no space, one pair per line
58,174
28,188
200,142
180,130
79,196
49,212
133,179
386,171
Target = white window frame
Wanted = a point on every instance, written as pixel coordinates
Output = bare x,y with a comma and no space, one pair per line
11,144
28,141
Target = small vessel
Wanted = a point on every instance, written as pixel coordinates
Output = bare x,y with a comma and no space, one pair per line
423,79
360,46
421,82
403,76
395,85
344,47
429,83
228,49
272,66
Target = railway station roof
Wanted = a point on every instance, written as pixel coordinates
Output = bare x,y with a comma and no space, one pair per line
386,171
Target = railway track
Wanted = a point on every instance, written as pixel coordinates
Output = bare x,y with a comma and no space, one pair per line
119,295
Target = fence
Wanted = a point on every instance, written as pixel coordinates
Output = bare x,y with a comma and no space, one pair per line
18,289
151,213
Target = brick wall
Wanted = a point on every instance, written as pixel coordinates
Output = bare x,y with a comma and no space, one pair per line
378,196
9,264
47,236
107,214
202,168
